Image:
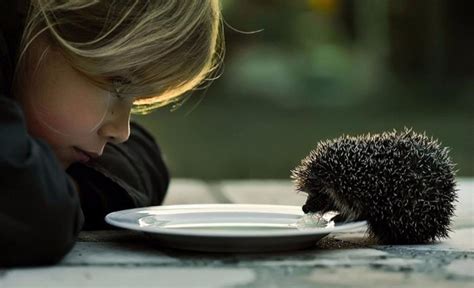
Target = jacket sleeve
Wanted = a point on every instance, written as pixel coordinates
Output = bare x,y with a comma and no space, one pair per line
128,175
40,214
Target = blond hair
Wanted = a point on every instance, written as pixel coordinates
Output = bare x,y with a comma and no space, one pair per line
156,50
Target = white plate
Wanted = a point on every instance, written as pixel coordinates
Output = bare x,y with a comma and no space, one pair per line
225,227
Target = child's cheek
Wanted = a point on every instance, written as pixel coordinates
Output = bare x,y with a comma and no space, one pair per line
75,117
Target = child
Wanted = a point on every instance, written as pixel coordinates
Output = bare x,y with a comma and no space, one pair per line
71,72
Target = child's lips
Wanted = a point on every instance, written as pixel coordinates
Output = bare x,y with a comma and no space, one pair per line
84,156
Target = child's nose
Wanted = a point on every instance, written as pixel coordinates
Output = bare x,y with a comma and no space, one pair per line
116,130
119,135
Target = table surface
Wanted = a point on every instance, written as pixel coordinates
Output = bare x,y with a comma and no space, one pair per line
121,258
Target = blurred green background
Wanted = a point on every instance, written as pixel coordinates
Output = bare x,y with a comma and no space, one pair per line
320,69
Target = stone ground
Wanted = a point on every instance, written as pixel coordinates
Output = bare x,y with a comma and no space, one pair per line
120,258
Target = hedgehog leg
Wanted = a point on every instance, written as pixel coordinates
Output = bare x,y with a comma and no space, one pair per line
349,210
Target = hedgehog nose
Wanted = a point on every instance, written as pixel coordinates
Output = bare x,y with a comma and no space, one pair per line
306,209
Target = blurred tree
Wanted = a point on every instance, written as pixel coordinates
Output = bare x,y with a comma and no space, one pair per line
321,68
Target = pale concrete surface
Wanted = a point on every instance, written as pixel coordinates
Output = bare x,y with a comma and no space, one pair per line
62,277
279,192
465,204
189,191
120,258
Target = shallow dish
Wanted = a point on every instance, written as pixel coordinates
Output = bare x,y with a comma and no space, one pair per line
226,227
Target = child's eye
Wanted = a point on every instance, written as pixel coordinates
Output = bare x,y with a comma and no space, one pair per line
117,95
120,80
118,83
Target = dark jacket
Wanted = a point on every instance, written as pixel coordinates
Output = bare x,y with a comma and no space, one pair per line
41,213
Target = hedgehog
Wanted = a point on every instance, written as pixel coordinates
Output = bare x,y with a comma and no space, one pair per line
401,183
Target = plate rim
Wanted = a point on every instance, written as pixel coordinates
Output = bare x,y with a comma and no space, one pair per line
109,218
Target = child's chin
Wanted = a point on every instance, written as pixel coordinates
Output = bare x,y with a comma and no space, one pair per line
65,163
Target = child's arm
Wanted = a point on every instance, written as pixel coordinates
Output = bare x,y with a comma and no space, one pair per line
128,175
40,213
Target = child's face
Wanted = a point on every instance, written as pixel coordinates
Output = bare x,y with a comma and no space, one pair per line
63,108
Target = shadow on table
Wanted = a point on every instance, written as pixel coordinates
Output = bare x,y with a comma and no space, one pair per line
138,242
